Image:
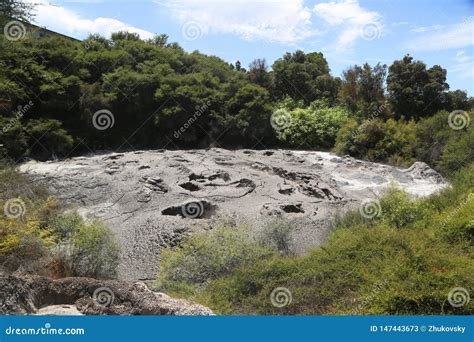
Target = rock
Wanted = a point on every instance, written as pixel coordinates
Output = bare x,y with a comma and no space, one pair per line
421,170
59,310
29,294
144,207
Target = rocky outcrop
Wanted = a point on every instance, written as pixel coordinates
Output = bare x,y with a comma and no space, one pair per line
152,199
22,294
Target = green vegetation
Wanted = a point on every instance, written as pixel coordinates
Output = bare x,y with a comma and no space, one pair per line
388,141
315,126
404,261
52,89
38,235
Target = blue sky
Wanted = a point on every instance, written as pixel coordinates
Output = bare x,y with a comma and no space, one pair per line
347,31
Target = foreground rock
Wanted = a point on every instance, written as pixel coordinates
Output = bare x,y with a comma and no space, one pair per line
152,199
28,294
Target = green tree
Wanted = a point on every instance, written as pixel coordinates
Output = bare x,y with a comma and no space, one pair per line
414,90
258,73
304,77
362,89
16,9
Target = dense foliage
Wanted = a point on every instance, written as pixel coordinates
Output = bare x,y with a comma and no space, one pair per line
315,126
154,94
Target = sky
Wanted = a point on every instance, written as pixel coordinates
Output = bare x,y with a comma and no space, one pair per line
348,32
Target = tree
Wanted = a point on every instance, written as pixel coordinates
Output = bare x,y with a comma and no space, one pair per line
362,89
414,90
17,9
124,35
159,40
258,73
304,77
457,100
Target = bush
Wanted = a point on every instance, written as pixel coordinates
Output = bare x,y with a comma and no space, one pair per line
431,136
25,236
458,151
388,141
37,235
94,252
398,209
277,235
315,126
208,255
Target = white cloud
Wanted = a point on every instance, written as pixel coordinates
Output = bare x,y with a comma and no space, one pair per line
283,21
60,19
463,65
445,37
350,21
423,29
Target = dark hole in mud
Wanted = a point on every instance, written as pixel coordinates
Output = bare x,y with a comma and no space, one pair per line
244,182
268,153
292,208
201,178
193,177
222,175
192,210
286,191
190,186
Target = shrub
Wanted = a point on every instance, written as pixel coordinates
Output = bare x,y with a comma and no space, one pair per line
365,270
388,141
431,136
315,126
458,151
94,252
277,235
40,237
25,236
398,209
208,255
